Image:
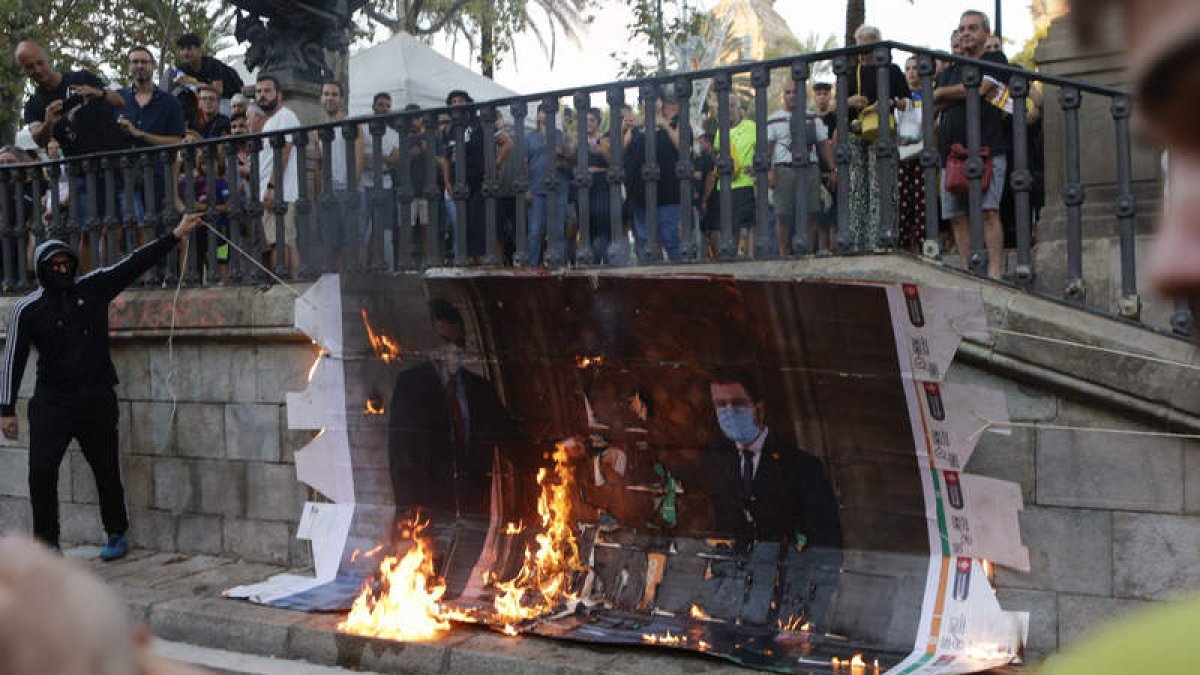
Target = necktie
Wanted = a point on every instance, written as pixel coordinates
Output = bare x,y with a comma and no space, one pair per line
747,471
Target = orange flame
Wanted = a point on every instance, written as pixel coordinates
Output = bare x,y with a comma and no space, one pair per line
373,407
988,569
666,639
312,370
588,361
543,583
793,624
384,345
407,604
857,665
696,612
514,529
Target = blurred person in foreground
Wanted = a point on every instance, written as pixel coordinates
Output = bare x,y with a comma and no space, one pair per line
56,617
1163,43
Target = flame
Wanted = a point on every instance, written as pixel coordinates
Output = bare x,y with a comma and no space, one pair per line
312,370
544,580
514,528
407,604
988,651
373,407
696,612
666,639
510,631
384,345
703,646
793,624
588,361
857,665
988,569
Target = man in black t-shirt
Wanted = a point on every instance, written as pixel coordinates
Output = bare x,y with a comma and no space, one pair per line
950,99
62,106
195,69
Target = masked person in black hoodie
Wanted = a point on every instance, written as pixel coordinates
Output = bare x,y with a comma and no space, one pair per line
66,319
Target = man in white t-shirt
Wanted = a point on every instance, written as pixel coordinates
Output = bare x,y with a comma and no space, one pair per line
381,105
270,99
334,188
782,177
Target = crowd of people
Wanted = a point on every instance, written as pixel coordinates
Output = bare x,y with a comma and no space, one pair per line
358,196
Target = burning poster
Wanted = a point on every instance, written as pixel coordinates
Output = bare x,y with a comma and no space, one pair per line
742,467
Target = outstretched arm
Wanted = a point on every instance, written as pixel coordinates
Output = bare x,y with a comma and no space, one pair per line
112,280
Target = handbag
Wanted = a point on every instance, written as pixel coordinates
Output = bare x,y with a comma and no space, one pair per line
868,117
908,131
957,182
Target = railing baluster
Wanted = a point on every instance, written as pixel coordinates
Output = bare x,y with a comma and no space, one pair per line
1069,98
555,255
975,167
279,207
10,190
91,223
618,247
1125,209
650,252
799,243
885,149
402,240
930,160
27,227
460,190
583,181
127,238
150,211
842,155
169,217
373,206
433,253
191,275
760,79
356,249
105,237
305,232
235,211
212,212
683,170
491,186
1182,321
19,228
723,84
57,174
257,236
520,185
1022,180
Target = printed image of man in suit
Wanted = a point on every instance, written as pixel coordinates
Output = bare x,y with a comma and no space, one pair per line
772,491
445,427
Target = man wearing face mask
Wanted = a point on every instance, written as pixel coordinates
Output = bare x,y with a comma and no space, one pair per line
66,320
445,426
771,492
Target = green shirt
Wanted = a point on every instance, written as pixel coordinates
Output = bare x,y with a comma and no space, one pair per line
742,139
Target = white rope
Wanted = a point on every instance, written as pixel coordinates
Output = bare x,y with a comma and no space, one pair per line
171,332
1081,345
260,266
988,423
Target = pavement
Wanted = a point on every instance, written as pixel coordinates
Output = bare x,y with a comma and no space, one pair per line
179,597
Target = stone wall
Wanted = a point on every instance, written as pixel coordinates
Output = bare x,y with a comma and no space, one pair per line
1111,521
206,455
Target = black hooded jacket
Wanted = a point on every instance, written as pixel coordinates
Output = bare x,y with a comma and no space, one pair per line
66,319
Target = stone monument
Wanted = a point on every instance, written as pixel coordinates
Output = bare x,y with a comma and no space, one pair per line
292,40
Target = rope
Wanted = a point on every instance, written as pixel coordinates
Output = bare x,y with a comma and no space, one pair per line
281,282
988,423
171,332
1081,345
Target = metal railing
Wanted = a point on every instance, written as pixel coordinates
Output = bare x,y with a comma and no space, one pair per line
117,199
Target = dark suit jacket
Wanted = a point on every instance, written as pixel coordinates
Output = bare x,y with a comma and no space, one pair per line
790,494
428,467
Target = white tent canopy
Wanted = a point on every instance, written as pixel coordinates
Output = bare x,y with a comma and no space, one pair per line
412,72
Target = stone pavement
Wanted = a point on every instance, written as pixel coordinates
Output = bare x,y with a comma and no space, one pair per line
179,597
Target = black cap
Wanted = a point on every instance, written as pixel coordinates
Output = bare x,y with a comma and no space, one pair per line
822,86
457,93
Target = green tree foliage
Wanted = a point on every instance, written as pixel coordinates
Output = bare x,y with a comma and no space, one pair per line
488,27
674,33
96,34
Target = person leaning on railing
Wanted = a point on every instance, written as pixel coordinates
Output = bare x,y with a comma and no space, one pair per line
862,98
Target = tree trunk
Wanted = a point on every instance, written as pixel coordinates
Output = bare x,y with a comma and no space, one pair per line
487,50
856,15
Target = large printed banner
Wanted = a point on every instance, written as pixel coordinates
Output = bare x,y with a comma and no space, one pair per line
770,471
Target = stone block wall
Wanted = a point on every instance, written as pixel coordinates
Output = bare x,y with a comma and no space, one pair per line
206,456
1111,521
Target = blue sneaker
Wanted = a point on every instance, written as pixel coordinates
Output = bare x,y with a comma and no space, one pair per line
117,547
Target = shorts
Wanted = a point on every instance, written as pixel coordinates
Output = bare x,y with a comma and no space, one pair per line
418,212
785,191
289,226
954,206
744,210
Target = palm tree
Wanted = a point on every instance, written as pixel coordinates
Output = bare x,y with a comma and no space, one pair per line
856,15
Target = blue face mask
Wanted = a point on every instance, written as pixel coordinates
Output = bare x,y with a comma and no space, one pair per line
738,424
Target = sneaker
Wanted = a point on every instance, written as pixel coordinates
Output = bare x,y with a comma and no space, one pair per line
117,547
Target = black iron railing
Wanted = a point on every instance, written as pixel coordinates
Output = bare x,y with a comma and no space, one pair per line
481,217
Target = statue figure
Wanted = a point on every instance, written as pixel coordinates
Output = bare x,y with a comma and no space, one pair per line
291,36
